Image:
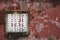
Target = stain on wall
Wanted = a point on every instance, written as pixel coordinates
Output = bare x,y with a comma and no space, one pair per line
44,20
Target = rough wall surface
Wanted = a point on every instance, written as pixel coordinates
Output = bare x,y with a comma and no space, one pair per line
44,20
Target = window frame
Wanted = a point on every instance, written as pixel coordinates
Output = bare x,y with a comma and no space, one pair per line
11,12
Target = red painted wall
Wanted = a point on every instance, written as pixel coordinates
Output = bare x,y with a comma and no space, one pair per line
44,22
1,32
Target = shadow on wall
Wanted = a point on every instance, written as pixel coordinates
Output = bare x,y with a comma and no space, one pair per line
2,18
54,2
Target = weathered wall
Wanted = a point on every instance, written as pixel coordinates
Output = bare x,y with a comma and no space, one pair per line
44,21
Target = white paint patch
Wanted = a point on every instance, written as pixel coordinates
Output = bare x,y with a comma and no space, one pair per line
52,21
46,16
14,4
46,25
45,20
57,24
40,17
28,5
57,19
39,27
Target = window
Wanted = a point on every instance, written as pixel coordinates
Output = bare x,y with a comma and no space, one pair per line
16,22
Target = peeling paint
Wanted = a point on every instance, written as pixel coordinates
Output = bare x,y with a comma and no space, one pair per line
47,11
52,21
46,25
57,18
57,24
46,16
45,20
39,27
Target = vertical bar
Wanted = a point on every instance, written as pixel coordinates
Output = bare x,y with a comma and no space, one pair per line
14,1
